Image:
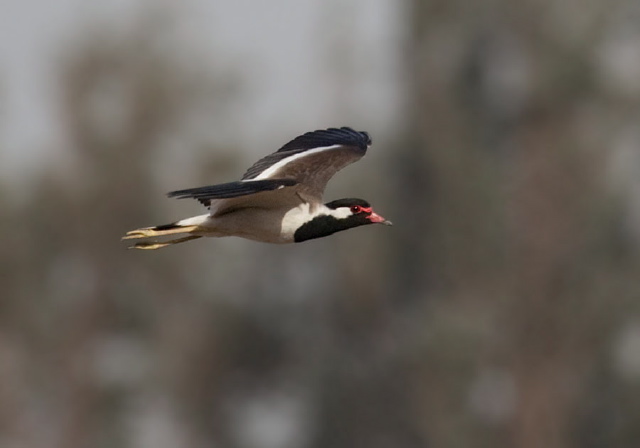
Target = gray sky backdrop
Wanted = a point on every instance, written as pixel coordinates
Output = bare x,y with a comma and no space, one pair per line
285,69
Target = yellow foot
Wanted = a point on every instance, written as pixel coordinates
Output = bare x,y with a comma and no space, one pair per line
139,233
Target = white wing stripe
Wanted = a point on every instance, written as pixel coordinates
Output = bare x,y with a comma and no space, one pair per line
266,174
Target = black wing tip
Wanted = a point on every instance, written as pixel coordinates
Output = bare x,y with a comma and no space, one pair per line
231,189
181,194
203,200
327,137
188,194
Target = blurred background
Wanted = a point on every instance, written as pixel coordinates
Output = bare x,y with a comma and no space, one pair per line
501,310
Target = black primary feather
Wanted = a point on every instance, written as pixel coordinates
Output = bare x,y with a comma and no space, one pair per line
316,139
328,137
231,189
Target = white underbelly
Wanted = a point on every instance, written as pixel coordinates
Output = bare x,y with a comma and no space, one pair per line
255,224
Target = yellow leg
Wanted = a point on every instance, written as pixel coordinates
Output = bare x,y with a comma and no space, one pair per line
152,245
147,232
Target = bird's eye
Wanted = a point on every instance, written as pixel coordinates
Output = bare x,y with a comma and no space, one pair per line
355,209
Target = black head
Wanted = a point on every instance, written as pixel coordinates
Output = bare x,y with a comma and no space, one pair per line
341,214
348,202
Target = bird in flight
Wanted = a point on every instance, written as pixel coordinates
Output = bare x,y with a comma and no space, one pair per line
279,199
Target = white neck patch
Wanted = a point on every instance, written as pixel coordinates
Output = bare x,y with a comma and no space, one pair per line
296,217
302,214
339,213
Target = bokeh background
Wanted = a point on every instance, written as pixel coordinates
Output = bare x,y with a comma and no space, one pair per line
501,310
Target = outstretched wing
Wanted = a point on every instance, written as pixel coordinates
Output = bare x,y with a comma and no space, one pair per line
312,159
231,190
306,163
